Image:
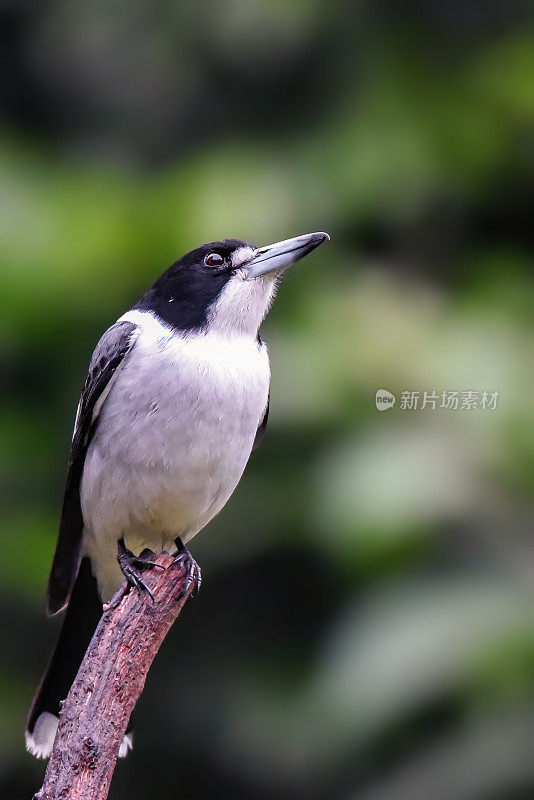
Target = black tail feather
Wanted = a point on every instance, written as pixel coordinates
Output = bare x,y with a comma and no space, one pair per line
83,614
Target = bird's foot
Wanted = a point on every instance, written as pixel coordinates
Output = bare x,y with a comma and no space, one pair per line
132,566
193,574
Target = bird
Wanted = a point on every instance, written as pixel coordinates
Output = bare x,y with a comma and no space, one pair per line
175,400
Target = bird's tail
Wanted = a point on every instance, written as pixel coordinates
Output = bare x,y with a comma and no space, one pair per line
83,613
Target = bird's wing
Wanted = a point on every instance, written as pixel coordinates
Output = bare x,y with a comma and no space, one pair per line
260,433
109,353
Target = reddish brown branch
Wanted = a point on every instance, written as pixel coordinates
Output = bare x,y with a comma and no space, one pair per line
95,715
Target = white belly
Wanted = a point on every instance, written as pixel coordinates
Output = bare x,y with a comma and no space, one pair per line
172,441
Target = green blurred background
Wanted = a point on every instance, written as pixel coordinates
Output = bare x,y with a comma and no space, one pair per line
365,627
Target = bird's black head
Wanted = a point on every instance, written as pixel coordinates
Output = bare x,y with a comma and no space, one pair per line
225,286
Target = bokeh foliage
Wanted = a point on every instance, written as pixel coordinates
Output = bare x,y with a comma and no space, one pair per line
365,625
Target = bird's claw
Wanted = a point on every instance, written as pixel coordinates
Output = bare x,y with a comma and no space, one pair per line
131,567
193,576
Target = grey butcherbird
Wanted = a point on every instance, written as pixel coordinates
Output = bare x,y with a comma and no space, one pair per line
176,398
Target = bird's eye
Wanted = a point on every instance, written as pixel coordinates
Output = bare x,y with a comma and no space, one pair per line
214,260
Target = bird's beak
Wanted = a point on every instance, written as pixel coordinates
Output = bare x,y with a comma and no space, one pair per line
279,256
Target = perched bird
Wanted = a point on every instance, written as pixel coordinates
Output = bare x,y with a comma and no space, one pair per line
175,400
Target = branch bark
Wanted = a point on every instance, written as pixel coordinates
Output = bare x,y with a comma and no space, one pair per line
95,715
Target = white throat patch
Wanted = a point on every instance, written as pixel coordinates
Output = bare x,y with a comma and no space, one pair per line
242,305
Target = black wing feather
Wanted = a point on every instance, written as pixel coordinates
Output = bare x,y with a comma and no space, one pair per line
262,427
108,355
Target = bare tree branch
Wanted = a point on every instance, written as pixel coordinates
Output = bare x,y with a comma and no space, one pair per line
95,715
